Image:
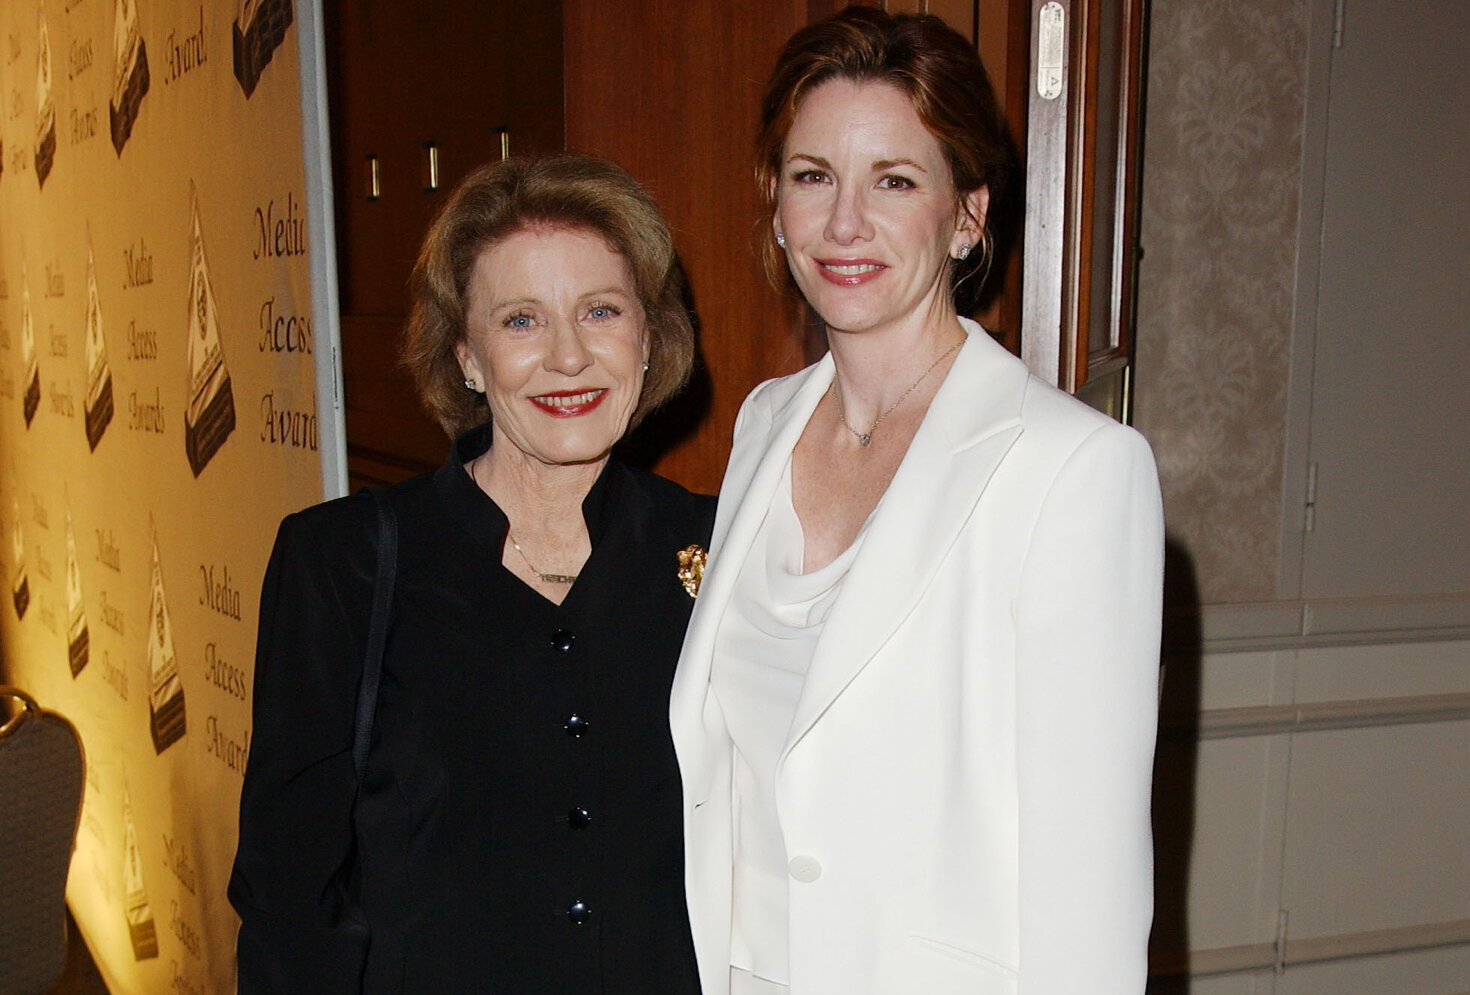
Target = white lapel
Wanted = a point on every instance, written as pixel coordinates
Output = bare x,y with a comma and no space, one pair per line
751,478
971,424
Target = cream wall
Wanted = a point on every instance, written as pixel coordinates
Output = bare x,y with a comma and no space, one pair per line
149,531
1313,809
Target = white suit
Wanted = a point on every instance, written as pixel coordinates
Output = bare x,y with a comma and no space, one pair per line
964,790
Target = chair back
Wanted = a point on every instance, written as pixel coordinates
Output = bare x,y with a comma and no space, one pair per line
42,778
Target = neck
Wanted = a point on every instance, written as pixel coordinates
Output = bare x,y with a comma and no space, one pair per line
874,368
536,497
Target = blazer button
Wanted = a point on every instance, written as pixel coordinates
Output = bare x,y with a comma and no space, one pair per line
576,726
562,640
805,869
579,818
578,913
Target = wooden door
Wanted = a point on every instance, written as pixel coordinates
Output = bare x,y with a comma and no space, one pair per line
419,94
671,90
1080,237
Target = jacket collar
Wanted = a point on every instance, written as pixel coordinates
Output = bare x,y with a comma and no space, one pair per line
971,424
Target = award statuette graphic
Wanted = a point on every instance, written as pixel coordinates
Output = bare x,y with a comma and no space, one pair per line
141,929
210,417
20,587
130,73
165,691
98,407
45,107
77,639
258,32
28,351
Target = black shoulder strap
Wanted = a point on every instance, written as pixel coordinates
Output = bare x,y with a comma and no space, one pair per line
372,670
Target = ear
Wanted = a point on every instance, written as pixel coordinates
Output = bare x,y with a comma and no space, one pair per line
970,217
468,364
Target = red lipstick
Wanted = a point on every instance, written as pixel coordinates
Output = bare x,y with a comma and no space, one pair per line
849,272
570,403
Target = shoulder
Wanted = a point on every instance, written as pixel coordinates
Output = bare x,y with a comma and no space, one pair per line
1061,422
342,533
668,505
329,526
769,395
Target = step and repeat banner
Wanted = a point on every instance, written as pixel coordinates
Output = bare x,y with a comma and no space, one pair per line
157,418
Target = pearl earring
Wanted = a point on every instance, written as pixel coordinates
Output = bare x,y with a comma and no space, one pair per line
964,252
781,240
645,367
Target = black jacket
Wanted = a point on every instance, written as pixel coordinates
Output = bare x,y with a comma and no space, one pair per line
520,765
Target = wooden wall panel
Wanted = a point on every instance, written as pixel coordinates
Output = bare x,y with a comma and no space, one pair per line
455,74
670,90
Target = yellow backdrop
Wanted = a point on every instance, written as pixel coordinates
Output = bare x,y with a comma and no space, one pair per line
157,418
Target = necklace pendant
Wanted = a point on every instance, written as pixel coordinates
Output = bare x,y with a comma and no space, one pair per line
557,578
863,440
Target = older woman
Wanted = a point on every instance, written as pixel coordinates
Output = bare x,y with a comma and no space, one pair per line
915,709
517,827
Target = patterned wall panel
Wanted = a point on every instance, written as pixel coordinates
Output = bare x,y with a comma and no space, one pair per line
1222,159
156,421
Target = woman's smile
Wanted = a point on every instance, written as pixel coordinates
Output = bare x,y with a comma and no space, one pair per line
556,336
569,404
850,272
867,208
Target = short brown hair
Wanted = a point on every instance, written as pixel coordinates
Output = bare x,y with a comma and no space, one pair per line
943,77
563,191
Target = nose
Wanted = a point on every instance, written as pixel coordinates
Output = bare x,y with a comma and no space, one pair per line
567,353
847,223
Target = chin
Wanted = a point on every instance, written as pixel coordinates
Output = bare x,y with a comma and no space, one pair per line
575,451
849,319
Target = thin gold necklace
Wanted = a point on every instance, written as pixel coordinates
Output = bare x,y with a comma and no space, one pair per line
545,577
864,438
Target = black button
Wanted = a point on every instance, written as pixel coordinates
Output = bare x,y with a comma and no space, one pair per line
578,912
578,818
562,639
575,726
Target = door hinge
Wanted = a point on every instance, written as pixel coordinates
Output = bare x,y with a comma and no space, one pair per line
1309,517
1282,916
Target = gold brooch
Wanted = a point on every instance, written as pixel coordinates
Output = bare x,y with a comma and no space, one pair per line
691,568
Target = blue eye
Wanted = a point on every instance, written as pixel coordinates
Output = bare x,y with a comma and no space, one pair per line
601,312
519,321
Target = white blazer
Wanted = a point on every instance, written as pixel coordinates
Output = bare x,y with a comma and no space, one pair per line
964,790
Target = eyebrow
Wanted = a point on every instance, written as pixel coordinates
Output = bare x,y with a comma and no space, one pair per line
879,165
608,291
882,164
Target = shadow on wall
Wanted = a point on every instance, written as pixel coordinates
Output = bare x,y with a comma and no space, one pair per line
1175,766
667,427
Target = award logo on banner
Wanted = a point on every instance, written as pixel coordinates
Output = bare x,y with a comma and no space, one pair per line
165,690
98,406
77,637
141,930
20,586
28,351
258,32
210,416
45,107
130,73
